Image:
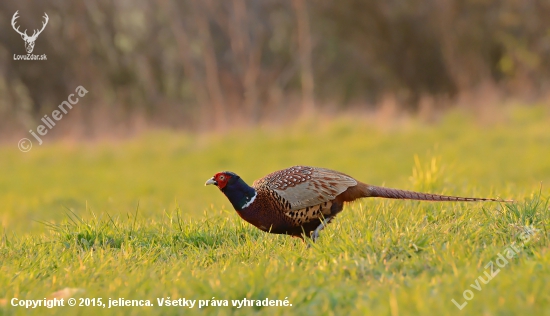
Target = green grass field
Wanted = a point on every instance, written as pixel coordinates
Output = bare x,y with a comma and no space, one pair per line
133,219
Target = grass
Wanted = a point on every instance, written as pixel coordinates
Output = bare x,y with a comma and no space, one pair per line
132,219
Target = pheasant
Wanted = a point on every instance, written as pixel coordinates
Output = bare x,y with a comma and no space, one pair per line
300,201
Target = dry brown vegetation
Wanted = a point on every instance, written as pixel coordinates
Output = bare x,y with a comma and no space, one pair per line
199,64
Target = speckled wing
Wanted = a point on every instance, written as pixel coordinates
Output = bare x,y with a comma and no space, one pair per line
305,186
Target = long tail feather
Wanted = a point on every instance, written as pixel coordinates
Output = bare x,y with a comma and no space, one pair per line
376,191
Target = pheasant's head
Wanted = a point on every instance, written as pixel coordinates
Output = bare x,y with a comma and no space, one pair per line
240,194
221,179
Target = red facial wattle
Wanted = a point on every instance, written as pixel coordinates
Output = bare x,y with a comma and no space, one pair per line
222,179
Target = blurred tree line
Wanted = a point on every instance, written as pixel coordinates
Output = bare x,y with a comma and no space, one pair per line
195,62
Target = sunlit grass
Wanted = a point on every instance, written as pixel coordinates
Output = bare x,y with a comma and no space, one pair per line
132,219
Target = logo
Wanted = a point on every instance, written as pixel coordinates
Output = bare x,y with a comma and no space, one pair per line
29,40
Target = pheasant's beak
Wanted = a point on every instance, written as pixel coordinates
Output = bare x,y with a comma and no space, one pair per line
211,181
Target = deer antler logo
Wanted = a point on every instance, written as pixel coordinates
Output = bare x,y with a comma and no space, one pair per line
29,40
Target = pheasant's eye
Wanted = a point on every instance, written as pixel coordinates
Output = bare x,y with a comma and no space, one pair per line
222,178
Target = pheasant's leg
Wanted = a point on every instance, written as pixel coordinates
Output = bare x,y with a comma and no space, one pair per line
319,228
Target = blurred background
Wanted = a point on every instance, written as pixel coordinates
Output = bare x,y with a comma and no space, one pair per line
205,64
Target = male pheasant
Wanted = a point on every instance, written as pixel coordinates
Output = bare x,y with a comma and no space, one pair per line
302,200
